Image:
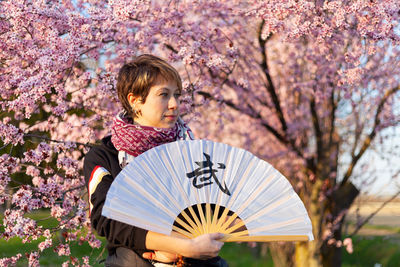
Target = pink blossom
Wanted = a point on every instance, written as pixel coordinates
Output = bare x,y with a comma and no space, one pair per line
11,134
7,166
85,261
32,171
33,259
41,153
348,243
68,164
92,240
63,250
331,241
59,62
57,211
37,181
23,197
10,261
45,244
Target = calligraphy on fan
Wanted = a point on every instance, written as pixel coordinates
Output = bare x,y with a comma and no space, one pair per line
205,174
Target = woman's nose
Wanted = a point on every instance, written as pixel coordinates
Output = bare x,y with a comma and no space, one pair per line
173,103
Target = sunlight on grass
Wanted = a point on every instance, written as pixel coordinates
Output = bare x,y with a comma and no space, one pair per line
368,250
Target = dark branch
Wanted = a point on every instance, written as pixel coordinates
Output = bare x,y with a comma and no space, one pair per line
370,137
233,84
252,114
255,115
270,85
360,225
317,129
56,141
333,116
170,47
357,133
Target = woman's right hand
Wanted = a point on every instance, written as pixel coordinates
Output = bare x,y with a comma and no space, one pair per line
204,247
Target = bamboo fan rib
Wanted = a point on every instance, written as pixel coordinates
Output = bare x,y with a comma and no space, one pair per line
198,186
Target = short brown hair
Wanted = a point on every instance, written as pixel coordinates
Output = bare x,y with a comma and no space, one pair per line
140,74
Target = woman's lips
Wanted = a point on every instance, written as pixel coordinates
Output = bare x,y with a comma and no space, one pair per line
171,117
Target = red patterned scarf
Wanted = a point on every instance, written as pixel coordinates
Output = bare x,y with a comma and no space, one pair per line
135,139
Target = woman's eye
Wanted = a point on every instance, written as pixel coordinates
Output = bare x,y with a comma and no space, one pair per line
177,95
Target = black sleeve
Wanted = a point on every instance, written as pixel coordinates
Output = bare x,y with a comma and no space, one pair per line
116,233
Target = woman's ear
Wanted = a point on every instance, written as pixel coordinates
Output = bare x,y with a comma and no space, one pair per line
133,100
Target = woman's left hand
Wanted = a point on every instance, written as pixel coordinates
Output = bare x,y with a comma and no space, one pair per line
160,256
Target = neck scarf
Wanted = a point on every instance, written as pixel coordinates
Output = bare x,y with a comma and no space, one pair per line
135,139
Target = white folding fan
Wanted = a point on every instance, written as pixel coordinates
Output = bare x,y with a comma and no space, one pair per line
197,187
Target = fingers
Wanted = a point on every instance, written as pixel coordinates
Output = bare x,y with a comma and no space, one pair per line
148,255
218,239
205,246
216,236
160,256
216,244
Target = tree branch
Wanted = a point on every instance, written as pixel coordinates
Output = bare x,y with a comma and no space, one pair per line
232,84
333,116
359,127
357,133
270,86
360,225
370,137
56,141
253,115
317,129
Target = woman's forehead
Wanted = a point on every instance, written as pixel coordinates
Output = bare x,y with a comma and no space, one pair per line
165,79
165,83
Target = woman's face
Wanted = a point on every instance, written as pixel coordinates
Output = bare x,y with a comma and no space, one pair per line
161,108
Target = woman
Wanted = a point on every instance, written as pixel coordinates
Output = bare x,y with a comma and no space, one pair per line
149,90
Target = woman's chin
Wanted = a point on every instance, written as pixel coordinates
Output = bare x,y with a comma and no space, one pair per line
169,123
163,125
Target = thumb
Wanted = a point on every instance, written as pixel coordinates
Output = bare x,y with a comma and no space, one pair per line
148,255
217,236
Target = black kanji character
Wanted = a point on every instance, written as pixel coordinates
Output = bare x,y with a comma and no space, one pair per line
205,167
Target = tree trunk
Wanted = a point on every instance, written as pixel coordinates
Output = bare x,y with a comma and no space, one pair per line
307,254
331,254
318,252
340,201
282,253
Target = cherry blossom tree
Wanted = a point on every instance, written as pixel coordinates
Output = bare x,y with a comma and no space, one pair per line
310,86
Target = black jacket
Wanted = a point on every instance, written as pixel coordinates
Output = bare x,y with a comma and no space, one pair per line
100,168
117,234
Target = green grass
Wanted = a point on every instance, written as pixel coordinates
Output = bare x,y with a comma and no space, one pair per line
235,254
377,227
48,257
368,250
383,227
243,255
